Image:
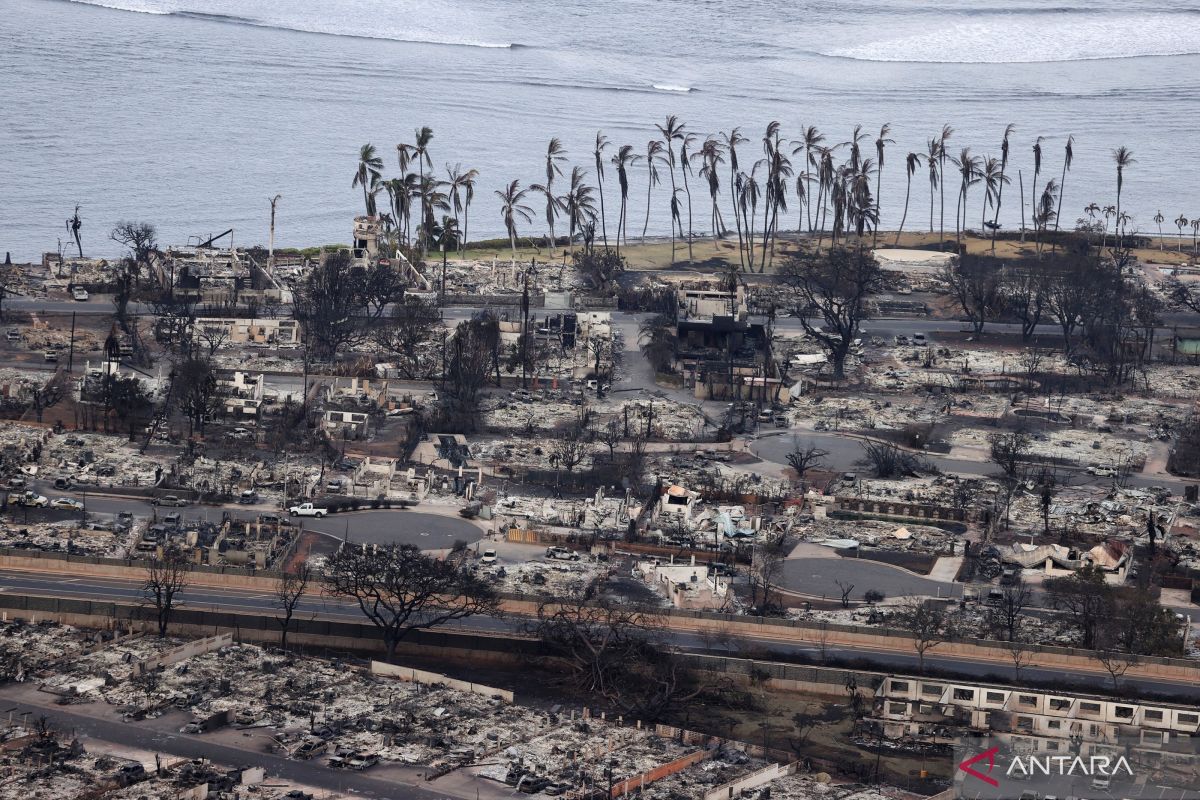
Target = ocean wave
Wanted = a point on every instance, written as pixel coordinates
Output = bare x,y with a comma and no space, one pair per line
1016,39
670,87
135,8
232,19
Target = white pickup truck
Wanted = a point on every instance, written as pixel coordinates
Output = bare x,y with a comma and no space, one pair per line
307,510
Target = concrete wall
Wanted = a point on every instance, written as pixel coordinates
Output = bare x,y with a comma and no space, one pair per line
436,679
183,652
751,781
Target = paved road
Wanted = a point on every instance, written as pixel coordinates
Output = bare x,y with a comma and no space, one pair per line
246,601
819,577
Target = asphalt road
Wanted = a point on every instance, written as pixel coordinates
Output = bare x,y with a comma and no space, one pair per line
752,644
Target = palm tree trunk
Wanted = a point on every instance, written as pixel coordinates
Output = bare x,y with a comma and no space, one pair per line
687,190
942,186
1021,186
907,193
649,186
603,224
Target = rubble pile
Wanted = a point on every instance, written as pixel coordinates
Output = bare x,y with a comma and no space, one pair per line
27,650
880,535
547,578
105,673
349,710
582,751
726,766
67,536
812,787
1080,446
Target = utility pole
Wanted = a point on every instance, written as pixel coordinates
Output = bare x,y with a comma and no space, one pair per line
271,239
71,350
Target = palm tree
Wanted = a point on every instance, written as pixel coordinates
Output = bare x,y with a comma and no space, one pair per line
367,175
445,237
1181,222
1092,210
947,132
1122,157
654,154
468,198
712,156
578,205
1037,168
1068,157
968,170
1195,232
994,180
457,183
1158,219
732,140
933,150
880,142
671,130
685,169
1008,131
911,163
809,141
512,207
400,198
623,160
1044,211
420,152
598,154
432,199
555,155
1109,213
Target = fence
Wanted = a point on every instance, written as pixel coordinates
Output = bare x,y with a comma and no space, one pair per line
639,782
184,651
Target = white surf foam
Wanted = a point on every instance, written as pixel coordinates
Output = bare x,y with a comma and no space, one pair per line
1012,39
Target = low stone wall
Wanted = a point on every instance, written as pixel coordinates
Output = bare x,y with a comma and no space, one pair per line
436,679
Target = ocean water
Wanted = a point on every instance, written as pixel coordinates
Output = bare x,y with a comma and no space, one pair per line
192,113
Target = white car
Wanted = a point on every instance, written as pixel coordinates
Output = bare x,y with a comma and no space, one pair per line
67,503
1102,472
307,510
80,294
488,557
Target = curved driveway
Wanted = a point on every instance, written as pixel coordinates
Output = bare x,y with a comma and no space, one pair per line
426,531
818,577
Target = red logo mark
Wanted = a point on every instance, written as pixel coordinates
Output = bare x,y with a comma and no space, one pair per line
987,755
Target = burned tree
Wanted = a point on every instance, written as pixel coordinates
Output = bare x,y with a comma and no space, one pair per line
805,456
974,283
141,239
1004,617
1009,450
166,577
194,384
764,575
1087,600
470,360
329,303
613,652
887,460
408,335
834,286
400,589
926,624
293,584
